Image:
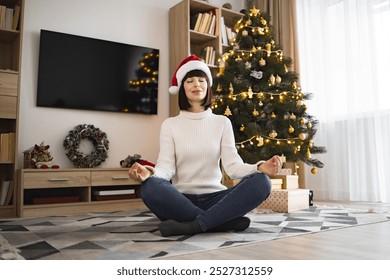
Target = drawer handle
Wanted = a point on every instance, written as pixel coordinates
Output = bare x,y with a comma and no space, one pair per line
58,179
120,177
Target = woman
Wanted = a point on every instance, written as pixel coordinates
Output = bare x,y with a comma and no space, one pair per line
184,189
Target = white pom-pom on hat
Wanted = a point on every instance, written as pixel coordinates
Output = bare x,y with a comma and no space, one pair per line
188,64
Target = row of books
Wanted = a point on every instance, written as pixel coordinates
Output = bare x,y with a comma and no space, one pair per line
204,22
7,147
6,192
208,55
9,17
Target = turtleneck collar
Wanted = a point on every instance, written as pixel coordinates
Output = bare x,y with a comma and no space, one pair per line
196,116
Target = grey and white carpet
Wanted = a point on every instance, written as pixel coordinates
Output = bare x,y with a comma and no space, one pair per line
130,235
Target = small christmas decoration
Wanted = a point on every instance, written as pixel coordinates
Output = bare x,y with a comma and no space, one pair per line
228,112
257,74
41,157
227,5
130,160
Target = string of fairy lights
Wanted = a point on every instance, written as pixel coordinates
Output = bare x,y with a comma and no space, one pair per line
147,70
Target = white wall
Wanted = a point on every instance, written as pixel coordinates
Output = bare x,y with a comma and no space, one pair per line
136,22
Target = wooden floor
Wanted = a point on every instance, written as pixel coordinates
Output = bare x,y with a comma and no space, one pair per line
366,242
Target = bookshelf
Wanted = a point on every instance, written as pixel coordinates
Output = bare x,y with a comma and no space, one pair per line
185,39
11,15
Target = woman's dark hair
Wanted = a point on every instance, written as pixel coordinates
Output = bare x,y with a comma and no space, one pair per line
183,101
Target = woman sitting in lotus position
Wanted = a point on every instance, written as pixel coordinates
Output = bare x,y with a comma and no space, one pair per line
184,189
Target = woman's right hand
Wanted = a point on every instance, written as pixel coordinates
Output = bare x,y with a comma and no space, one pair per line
139,172
271,166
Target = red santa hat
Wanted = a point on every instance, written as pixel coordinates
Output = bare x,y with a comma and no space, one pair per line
188,64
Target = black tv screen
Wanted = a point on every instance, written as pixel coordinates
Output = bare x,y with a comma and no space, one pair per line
78,72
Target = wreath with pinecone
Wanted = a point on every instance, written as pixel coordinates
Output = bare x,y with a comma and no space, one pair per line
96,136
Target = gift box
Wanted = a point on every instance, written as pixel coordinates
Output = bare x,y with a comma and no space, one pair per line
289,181
286,201
277,184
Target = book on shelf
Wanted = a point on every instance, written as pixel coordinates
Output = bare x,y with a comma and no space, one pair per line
197,19
205,22
56,199
102,195
194,24
9,14
114,197
11,146
114,192
10,193
212,25
7,147
4,147
2,16
223,31
15,19
6,191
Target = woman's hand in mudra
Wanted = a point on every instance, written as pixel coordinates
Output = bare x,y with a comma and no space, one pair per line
271,166
139,172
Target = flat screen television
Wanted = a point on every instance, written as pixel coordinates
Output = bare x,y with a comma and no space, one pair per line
77,72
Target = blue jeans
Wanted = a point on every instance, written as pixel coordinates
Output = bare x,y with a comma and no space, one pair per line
210,209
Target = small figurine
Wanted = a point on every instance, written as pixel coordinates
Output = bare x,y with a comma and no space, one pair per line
41,158
130,160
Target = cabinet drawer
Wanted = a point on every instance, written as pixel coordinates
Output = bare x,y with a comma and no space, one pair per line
8,107
60,179
111,178
8,84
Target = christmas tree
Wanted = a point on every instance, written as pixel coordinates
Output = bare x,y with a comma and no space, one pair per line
143,89
260,95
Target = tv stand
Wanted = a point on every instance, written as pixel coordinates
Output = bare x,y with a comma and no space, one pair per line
45,192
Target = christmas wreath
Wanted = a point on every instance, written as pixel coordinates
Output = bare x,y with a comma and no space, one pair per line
98,139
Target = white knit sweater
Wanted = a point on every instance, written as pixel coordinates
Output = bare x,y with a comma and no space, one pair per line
192,145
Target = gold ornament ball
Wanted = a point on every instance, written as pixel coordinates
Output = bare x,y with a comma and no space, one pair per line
314,170
302,136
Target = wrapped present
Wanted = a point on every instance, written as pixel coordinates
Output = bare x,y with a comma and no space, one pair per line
289,181
277,184
286,201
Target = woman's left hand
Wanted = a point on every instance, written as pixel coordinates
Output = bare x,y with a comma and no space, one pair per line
271,166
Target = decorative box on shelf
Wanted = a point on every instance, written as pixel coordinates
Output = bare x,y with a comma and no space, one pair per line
286,201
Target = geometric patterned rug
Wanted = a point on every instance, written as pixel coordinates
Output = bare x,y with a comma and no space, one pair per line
133,235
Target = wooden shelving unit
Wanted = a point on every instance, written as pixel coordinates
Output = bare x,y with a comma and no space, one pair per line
185,41
46,192
10,58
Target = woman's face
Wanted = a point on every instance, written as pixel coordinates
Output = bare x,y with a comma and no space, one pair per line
195,89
